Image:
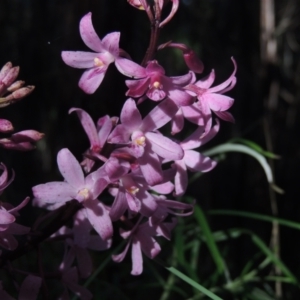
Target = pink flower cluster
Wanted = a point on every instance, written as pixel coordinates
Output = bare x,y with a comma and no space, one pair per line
132,169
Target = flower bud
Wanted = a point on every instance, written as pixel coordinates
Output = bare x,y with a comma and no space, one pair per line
16,85
5,126
137,4
27,136
9,144
5,70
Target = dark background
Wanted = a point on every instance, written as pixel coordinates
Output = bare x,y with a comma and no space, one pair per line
33,33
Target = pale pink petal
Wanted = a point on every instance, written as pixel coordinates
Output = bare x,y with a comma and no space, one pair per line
106,125
207,82
220,88
6,217
120,135
91,79
137,258
181,178
54,192
198,162
225,115
164,147
130,115
70,168
111,43
151,167
88,126
149,204
99,218
88,34
181,97
138,87
164,188
130,68
78,59
119,205
218,102
196,140
183,80
160,115
177,122
156,94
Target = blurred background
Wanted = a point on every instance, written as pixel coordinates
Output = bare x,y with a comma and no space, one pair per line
263,37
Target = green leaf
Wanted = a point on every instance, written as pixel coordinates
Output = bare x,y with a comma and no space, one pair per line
211,244
257,148
194,284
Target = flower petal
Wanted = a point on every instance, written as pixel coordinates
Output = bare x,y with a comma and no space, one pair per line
130,115
130,68
99,218
88,126
54,192
160,115
111,43
137,258
91,79
78,59
181,178
218,102
164,147
196,161
151,167
89,35
70,168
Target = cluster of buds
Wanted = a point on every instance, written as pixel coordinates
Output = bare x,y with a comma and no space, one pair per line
129,156
10,92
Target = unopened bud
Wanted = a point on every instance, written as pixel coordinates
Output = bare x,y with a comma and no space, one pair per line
29,135
11,76
19,94
5,70
136,3
193,62
5,126
9,144
15,86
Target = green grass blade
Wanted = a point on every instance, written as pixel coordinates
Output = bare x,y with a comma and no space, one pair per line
194,284
265,249
211,244
256,216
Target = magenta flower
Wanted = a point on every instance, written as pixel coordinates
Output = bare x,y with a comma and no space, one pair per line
212,98
146,144
96,63
193,160
153,82
85,190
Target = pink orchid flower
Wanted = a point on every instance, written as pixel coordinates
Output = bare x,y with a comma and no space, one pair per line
106,52
85,190
153,82
212,98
